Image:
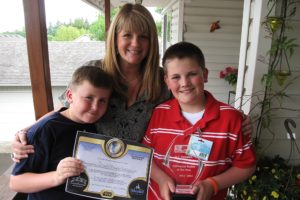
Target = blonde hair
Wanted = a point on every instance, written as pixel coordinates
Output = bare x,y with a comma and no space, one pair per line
134,17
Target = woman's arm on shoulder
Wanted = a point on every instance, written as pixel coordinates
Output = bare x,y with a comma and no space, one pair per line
19,144
247,125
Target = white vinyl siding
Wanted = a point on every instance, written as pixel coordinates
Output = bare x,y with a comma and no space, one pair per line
257,46
280,144
174,23
221,47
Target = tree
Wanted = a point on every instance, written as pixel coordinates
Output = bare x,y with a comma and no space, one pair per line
97,29
52,29
68,33
80,23
16,32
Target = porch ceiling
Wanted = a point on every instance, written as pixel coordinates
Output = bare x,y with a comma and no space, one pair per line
114,3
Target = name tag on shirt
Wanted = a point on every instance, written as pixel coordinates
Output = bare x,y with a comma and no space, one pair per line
199,148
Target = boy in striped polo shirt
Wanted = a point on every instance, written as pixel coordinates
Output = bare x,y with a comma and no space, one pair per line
199,148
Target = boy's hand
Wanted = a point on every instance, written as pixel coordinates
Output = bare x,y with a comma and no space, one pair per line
203,189
166,187
66,168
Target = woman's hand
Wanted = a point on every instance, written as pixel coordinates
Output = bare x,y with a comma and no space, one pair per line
247,125
66,168
203,190
19,147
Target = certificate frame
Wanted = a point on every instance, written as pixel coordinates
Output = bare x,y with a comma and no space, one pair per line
115,169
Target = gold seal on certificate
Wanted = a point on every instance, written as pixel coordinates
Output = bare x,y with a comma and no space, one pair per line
115,147
114,168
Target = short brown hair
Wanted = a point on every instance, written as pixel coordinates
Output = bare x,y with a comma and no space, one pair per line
182,50
96,76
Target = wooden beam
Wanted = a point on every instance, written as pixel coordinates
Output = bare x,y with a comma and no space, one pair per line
37,47
107,14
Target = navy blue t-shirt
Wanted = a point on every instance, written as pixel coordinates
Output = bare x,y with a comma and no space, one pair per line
53,140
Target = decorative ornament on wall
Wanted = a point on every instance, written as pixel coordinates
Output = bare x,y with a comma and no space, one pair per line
214,26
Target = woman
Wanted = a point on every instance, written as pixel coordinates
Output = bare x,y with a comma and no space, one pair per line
132,58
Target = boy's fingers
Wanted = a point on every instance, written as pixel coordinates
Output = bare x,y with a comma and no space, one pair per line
172,187
72,163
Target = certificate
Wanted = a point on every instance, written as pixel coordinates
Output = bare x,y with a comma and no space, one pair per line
114,168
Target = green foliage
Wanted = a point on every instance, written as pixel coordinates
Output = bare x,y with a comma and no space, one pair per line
97,29
68,33
281,50
283,44
159,23
80,24
114,12
273,179
52,29
158,27
16,32
229,74
231,79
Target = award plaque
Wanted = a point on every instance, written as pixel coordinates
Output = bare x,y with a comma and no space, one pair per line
114,168
183,159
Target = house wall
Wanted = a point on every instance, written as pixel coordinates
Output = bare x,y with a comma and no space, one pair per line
16,103
221,47
251,70
279,144
174,27
17,110
253,49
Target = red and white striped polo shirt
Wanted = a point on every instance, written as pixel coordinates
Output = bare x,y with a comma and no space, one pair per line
168,134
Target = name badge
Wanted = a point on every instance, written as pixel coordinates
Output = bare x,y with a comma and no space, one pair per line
199,148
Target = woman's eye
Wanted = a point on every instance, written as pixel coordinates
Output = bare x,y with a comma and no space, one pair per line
175,77
127,35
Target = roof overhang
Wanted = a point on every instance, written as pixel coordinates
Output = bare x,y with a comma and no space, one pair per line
99,4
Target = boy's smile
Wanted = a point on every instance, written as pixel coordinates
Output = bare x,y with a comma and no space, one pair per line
185,78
